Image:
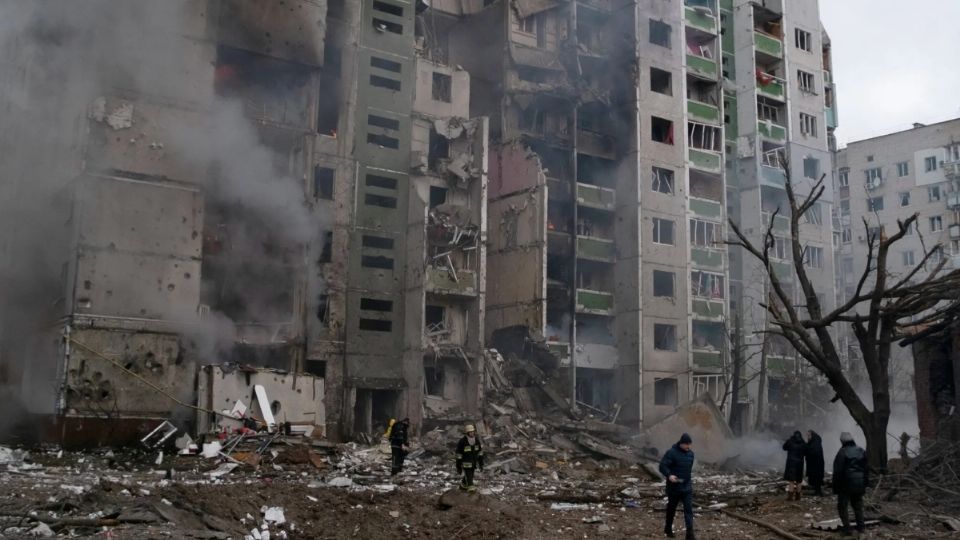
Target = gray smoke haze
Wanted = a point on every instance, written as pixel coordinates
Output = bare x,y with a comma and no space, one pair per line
56,58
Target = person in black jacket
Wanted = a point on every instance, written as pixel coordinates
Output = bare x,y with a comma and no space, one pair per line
793,472
469,457
814,462
399,444
851,474
677,468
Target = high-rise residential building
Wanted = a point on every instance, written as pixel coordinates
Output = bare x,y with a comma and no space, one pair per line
781,112
368,191
282,185
623,136
888,178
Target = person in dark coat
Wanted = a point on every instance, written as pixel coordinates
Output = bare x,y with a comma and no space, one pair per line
399,444
677,468
814,462
469,457
851,474
793,472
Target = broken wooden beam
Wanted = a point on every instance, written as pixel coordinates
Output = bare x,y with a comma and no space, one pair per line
760,523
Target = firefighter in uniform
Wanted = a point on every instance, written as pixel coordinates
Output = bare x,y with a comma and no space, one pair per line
469,457
399,444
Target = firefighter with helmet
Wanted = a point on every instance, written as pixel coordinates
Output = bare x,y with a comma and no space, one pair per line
469,457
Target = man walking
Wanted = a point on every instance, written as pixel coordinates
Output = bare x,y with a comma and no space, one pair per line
850,477
677,468
399,444
469,457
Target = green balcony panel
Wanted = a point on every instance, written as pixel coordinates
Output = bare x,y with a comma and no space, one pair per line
780,365
772,131
783,269
704,67
831,118
442,281
773,90
595,249
707,359
594,302
701,20
706,208
707,258
703,112
705,161
596,197
708,309
768,44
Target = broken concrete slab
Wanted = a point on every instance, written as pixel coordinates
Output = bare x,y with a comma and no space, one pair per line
712,436
605,449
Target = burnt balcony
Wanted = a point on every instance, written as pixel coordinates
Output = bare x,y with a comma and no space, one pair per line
596,197
450,281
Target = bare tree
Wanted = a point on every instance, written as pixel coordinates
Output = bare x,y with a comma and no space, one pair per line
883,309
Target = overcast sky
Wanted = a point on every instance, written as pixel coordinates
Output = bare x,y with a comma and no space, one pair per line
894,62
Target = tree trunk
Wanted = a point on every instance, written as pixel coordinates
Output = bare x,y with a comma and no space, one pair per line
876,437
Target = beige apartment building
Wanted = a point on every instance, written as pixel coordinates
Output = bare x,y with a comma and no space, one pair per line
888,178
367,191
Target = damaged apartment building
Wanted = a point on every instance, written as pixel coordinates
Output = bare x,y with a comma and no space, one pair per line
364,192
301,190
623,135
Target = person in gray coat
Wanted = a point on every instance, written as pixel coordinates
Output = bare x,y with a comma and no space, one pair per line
851,474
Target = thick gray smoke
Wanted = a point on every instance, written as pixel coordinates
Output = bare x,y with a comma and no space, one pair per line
56,58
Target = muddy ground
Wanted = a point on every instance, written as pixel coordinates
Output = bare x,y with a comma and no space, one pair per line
127,496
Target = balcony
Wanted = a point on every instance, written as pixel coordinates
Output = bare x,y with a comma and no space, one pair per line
707,258
558,190
951,169
782,224
707,359
830,117
780,364
705,208
705,160
596,356
701,66
596,249
596,197
456,282
953,200
595,143
770,86
771,131
701,19
594,302
708,309
703,112
955,231
768,45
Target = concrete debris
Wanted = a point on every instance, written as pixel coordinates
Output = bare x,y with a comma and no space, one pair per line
211,449
42,530
341,481
273,514
10,457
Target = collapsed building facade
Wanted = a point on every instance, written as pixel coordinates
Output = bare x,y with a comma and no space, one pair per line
356,253
364,192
